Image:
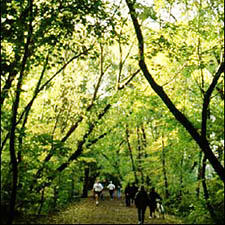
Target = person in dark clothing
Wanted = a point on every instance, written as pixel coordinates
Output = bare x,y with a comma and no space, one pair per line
134,190
141,202
127,192
153,195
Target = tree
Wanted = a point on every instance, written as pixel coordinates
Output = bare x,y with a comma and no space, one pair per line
24,28
199,138
84,111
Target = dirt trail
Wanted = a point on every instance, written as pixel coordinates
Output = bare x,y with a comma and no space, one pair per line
107,212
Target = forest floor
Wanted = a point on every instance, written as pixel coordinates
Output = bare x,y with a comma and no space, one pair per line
107,212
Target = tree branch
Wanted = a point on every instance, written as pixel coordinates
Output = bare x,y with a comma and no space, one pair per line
201,141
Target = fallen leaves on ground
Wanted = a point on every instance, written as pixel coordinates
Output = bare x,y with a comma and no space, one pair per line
107,212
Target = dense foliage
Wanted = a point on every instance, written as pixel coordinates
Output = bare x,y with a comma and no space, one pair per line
76,104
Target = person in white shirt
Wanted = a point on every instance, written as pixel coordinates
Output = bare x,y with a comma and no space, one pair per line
97,189
111,188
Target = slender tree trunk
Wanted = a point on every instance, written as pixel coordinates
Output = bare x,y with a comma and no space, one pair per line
131,156
164,170
13,122
205,116
86,180
199,175
181,177
55,197
140,169
117,164
41,201
144,141
71,197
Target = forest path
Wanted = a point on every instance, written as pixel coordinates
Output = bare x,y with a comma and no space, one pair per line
107,212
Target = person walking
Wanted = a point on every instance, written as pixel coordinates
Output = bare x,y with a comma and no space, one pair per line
153,195
111,188
127,193
118,188
141,201
134,190
97,190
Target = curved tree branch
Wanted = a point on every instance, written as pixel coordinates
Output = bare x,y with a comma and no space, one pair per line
201,141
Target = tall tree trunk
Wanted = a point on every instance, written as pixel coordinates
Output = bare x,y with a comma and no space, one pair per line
71,197
181,177
164,170
13,121
131,156
205,116
117,164
200,140
199,175
144,140
41,201
55,197
86,180
140,169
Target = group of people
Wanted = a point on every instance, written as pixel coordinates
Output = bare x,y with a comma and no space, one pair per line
133,195
98,188
130,192
142,200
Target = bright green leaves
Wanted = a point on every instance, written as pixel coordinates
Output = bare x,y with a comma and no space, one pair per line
182,53
146,12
